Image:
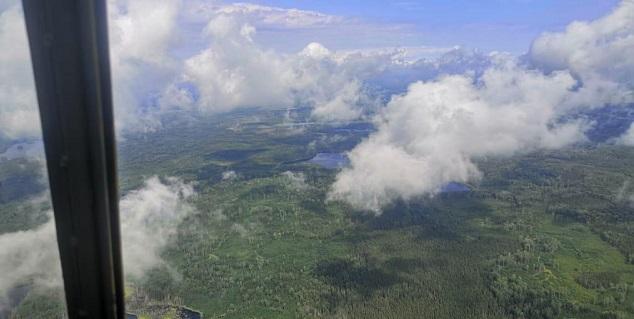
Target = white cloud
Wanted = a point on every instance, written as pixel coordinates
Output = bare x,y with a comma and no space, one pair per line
316,51
263,15
18,104
432,134
224,68
234,72
201,57
396,76
408,54
29,257
142,33
344,106
142,30
598,52
628,137
149,217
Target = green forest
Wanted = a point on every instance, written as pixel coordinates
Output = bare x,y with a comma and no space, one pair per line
548,234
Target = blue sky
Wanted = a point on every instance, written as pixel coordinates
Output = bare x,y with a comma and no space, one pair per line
505,25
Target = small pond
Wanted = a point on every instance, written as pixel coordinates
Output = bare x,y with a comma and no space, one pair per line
455,187
330,160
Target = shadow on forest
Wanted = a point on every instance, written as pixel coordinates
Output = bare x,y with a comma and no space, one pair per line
315,205
407,265
234,154
364,279
441,217
443,220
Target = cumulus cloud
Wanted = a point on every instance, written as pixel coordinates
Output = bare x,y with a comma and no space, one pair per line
345,106
262,15
226,69
233,71
201,57
628,137
18,104
149,218
222,68
597,52
142,34
29,257
432,134
395,77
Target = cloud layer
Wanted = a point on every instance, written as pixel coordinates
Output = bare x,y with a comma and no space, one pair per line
234,72
201,57
29,257
149,218
219,67
18,109
261,16
432,134
598,53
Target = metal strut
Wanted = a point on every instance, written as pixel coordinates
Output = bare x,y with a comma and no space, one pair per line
69,50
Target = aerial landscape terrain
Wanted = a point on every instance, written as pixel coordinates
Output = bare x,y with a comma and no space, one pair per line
542,235
345,184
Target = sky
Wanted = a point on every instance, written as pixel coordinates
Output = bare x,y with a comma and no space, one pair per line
503,25
435,117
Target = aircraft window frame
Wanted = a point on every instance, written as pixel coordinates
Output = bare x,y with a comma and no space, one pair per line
69,51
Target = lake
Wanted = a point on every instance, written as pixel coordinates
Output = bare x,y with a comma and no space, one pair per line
455,187
330,160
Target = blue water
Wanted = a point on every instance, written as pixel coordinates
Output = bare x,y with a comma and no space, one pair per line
454,187
330,160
